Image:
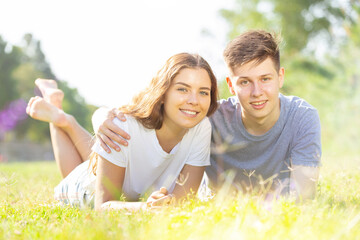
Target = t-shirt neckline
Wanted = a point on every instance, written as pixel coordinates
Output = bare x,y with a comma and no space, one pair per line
260,137
159,148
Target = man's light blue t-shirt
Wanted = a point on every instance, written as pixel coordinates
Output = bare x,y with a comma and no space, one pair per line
295,139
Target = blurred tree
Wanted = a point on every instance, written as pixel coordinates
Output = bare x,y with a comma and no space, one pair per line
346,103
76,105
350,53
299,21
35,55
9,60
24,75
19,67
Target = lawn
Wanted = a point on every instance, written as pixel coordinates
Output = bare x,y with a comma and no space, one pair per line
28,211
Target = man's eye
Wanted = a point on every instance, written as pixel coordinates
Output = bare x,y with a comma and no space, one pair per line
266,79
245,82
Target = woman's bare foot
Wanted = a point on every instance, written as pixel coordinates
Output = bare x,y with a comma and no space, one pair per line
50,91
42,110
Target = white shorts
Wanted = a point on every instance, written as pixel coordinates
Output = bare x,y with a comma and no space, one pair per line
78,188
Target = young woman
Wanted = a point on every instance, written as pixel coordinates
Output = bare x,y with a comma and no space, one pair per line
170,144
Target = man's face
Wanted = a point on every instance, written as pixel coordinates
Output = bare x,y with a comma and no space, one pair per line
257,88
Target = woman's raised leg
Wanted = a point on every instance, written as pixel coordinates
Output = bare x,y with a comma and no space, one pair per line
71,143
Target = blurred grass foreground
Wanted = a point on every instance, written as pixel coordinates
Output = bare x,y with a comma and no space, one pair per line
28,211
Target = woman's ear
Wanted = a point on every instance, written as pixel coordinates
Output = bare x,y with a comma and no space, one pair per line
229,83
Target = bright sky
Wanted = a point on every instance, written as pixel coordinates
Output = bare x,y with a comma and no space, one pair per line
110,49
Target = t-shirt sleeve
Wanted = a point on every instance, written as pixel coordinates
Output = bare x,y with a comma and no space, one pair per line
200,151
98,117
306,150
117,158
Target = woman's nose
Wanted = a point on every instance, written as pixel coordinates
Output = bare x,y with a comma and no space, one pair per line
193,98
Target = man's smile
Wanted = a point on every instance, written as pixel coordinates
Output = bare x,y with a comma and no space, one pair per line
258,104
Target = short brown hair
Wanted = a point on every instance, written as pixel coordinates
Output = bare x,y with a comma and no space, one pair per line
147,106
252,45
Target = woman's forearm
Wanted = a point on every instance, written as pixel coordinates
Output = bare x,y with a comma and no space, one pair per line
117,205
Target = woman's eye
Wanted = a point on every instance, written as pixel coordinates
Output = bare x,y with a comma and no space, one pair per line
182,89
204,93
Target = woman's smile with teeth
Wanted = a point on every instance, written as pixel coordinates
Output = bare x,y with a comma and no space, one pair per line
189,112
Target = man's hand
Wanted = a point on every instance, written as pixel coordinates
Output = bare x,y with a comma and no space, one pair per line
160,198
108,133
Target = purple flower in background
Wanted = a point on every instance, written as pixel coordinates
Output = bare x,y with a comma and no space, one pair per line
11,115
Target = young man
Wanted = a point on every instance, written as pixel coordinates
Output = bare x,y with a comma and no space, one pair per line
267,141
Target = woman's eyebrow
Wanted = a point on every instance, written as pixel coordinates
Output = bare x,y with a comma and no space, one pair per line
187,85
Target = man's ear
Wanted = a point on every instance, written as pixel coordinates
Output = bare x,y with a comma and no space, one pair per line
229,83
281,77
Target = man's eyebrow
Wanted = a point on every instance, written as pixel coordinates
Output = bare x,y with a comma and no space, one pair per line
246,77
238,78
187,85
267,74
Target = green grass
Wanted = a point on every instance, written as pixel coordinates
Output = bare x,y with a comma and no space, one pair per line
28,211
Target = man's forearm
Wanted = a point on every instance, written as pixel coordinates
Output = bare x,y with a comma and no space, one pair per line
304,182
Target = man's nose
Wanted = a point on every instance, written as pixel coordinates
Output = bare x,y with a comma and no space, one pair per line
257,89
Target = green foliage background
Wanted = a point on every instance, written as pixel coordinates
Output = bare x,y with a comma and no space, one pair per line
320,51
19,67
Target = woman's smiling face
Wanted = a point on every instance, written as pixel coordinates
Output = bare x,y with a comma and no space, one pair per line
187,101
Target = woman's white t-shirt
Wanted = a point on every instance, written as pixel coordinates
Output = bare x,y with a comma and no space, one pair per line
148,166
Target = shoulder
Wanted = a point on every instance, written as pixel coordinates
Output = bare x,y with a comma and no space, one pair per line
229,104
226,109
196,144
200,133
298,110
203,126
296,104
302,119
130,123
